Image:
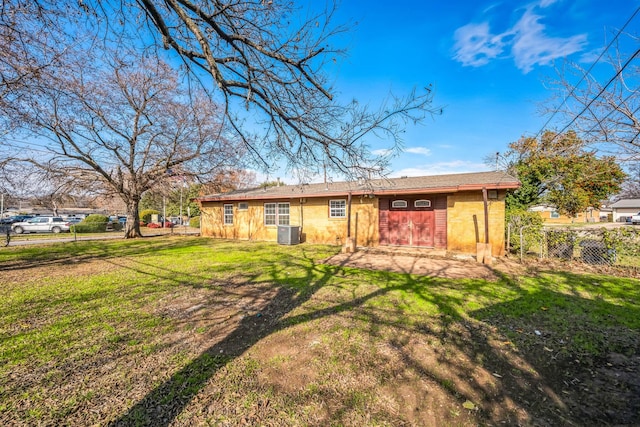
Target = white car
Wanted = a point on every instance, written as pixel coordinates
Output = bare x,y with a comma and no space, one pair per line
41,224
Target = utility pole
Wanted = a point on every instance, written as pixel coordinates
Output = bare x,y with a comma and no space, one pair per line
164,210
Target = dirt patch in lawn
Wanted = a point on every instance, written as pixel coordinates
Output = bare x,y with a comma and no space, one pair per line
423,264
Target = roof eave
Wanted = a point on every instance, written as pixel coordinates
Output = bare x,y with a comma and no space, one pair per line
378,192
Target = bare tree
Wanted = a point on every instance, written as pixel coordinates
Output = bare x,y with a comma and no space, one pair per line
114,121
631,186
31,41
265,62
125,125
260,58
602,103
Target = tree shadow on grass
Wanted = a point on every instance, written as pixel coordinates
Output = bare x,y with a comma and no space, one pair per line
577,360
531,371
544,357
163,404
556,356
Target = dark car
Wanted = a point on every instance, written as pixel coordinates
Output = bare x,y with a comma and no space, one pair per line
15,218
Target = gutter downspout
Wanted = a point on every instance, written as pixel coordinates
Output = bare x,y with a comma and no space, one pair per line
349,244
483,250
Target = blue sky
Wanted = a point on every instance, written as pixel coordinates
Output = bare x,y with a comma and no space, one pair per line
487,61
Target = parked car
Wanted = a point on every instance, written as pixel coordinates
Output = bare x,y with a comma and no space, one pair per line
15,218
635,219
41,224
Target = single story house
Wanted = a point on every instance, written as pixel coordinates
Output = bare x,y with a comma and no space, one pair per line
442,212
550,215
624,208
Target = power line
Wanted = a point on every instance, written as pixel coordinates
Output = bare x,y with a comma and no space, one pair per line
599,121
611,80
587,72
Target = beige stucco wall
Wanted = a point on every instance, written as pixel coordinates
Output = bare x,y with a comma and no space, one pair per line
465,222
588,216
618,213
311,214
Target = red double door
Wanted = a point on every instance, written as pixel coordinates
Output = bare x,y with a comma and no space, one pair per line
411,226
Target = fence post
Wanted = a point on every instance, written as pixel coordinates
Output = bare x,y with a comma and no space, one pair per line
522,242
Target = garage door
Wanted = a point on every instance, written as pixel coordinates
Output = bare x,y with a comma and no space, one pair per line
408,222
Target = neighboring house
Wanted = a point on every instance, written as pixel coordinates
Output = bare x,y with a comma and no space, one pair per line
622,209
443,212
550,215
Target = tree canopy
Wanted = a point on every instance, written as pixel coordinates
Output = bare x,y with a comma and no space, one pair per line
557,169
126,125
125,94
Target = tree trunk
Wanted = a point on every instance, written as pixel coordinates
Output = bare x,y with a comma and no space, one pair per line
132,227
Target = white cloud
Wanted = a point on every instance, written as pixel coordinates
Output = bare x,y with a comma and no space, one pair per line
547,3
418,150
475,45
527,42
531,46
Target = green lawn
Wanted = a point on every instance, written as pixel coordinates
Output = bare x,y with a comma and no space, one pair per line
193,331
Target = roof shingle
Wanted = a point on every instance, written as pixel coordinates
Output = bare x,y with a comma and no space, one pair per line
408,185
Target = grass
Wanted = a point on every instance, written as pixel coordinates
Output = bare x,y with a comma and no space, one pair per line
199,331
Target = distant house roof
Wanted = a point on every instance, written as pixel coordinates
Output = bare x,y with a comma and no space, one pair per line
409,185
551,208
626,203
542,208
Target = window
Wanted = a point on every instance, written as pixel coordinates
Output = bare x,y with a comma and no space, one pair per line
399,204
555,214
337,208
228,214
422,203
269,214
243,206
283,213
276,214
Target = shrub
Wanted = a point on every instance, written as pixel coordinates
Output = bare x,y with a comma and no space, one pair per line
145,215
94,223
531,233
194,222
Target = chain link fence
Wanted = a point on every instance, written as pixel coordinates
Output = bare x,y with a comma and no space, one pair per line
23,233
619,246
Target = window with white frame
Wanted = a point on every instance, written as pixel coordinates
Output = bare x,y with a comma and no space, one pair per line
422,203
276,214
228,214
243,206
399,204
283,213
555,214
337,208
